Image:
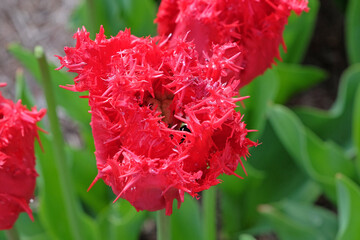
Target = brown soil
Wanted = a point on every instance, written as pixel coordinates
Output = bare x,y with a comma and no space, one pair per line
31,23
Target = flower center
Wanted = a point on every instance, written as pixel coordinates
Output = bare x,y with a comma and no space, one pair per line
164,106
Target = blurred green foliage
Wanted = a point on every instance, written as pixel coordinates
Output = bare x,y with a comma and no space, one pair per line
306,154
348,207
116,15
298,33
352,33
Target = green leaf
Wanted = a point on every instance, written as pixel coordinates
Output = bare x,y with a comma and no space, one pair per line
298,221
51,205
246,237
139,15
356,128
308,192
64,98
275,85
262,91
94,13
332,124
84,171
42,236
116,15
269,167
321,160
352,31
275,162
298,32
121,221
30,229
296,78
239,200
186,222
21,91
348,194
126,223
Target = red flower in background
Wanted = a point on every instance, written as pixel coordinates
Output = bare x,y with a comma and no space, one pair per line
17,161
163,124
255,26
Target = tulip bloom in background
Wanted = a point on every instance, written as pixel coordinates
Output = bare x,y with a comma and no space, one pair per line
162,122
18,131
256,28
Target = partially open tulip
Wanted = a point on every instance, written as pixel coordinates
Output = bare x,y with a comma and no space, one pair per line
163,123
255,26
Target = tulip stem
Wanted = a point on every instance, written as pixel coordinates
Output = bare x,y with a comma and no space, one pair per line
209,214
58,145
162,226
12,234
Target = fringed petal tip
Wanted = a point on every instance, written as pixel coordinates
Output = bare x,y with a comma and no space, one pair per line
11,207
298,6
69,87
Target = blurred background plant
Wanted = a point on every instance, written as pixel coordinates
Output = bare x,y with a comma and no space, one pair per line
303,180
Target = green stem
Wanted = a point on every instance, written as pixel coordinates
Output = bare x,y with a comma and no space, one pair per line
209,214
162,226
12,234
20,82
58,145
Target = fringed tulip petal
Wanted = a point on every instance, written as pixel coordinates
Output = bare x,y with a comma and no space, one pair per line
163,124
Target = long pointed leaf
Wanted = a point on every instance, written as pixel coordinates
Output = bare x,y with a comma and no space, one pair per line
298,221
331,125
262,91
356,129
296,78
352,31
186,222
349,206
298,32
121,221
321,160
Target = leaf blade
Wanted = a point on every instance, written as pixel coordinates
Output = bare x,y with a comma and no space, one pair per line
348,194
352,31
298,33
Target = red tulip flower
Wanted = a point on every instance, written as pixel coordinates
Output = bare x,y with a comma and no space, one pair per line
255,26
17,161
163,124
